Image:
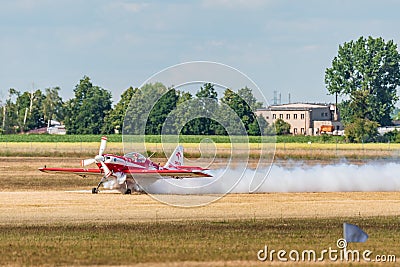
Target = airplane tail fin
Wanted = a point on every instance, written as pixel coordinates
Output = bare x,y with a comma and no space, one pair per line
176,159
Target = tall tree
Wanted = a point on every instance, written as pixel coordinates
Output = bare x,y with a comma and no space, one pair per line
52,105
159,112
367,72
23,106
114,119
244,103
30,111
247,95
85,112
142,115
179,120
10,113
207,99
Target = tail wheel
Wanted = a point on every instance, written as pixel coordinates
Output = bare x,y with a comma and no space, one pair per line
128,191
95,190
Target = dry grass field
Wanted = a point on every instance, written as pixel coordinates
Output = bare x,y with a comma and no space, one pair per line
54,220
280,150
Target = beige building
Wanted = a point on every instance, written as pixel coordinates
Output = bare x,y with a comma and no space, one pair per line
305,119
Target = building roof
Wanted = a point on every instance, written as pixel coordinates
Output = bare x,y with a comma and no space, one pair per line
296,106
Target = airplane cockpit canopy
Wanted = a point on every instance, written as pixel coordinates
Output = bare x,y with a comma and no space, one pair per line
136,157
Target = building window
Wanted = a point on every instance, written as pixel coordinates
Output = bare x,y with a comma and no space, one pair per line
322,114
295,116
326,114
267,117
302,116
288,116
302,131
274,116
295,130
280,116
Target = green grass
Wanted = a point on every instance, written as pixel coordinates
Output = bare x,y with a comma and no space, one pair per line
47,138
168,138
197,241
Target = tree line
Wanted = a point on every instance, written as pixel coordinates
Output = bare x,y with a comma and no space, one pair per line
365,72
152,109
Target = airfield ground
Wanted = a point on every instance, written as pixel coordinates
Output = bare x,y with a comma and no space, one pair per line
55,220
76,207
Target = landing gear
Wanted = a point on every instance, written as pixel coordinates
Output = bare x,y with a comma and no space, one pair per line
95,190
128,191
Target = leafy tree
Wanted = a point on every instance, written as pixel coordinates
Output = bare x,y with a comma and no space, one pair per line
22,105
52,105
243,103
30,112
183,96
179,120
260,127
362,131
367,72
10,113
207,104
281,127
114,119
392,136
148,108
247,95
159,112
85,112
202,114
207,91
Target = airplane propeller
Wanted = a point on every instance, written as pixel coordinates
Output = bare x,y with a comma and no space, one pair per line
99,158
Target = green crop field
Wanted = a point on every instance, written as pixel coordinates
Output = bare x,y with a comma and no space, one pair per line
168,138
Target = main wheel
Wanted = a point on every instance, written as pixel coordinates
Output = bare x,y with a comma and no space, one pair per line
128,192
95,190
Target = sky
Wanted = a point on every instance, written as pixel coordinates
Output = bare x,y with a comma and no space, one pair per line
281,45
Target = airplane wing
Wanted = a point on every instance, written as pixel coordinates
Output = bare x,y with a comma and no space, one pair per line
79,171
131,172
168,173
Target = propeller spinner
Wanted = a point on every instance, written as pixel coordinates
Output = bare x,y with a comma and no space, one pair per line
99,158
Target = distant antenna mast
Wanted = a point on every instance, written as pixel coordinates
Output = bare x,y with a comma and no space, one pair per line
289,98
275,97
280,98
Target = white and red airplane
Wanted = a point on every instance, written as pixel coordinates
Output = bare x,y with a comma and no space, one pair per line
119,172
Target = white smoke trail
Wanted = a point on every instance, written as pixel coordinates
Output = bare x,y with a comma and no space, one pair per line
320,178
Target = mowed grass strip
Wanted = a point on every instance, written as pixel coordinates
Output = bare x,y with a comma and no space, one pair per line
175,242
198,150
